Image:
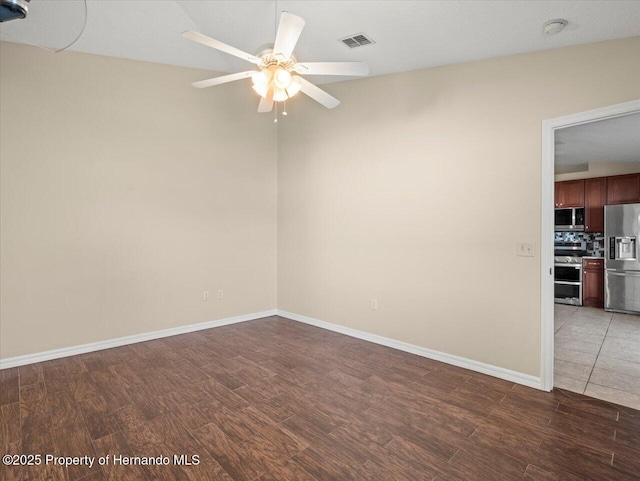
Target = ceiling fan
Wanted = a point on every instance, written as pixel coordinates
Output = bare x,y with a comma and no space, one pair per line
275,79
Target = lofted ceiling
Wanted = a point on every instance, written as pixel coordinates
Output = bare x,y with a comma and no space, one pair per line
610,140
409,35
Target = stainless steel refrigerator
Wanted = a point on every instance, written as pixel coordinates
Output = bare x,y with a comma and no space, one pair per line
622,258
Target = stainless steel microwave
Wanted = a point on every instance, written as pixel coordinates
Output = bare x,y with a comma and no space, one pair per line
570,219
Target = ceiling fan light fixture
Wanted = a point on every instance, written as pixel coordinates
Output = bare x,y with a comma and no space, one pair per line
262,90
282,78
294,87
261,78
279,95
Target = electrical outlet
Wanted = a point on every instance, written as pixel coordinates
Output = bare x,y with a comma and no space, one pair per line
526,249
374,304
220,294
206,295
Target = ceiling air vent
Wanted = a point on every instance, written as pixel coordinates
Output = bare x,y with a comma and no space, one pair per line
357,40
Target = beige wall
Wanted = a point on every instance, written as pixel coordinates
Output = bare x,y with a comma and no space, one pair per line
601,169
125,194
416,189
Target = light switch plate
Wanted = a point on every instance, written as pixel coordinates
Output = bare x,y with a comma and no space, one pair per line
526,249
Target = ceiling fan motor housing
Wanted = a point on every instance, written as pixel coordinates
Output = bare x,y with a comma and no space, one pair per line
13,10
267,59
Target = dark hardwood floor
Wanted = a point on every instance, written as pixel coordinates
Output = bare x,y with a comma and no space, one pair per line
273,399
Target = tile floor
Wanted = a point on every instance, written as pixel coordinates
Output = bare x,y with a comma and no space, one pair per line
597,353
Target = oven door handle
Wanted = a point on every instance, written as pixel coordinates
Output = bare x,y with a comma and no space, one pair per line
570,266
568,283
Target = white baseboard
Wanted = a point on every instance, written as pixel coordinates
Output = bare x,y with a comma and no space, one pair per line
499,372
121,341
495,371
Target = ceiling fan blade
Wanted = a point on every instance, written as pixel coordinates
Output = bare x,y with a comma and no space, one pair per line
266,104
319,95
218,45
289,31
223,79
355,69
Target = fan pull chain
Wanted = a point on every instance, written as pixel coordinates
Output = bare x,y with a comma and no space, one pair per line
284,108
275,119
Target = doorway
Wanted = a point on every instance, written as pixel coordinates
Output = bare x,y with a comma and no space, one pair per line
571,314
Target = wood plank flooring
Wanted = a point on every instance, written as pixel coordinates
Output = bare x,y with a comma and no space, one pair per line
273,399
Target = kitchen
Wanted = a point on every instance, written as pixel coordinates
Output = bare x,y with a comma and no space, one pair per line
597,260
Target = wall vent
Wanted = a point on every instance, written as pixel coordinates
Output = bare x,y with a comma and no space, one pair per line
357,40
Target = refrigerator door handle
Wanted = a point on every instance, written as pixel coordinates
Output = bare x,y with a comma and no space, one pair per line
624,273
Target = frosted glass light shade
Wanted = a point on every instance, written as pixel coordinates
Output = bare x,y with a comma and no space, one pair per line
282,78
294,86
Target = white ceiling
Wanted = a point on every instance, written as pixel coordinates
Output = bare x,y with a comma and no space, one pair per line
409,35
611,140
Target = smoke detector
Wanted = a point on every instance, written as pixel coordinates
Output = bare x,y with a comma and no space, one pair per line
13,10
555,26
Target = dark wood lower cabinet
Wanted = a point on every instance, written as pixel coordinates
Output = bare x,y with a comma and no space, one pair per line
593,282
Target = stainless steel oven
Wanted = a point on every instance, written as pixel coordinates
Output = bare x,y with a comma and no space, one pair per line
568,280
568,269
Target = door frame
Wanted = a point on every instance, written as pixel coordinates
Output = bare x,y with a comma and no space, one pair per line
546,252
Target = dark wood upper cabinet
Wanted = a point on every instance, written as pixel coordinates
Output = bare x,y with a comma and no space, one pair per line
569,193
623,189
595,198
593,282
